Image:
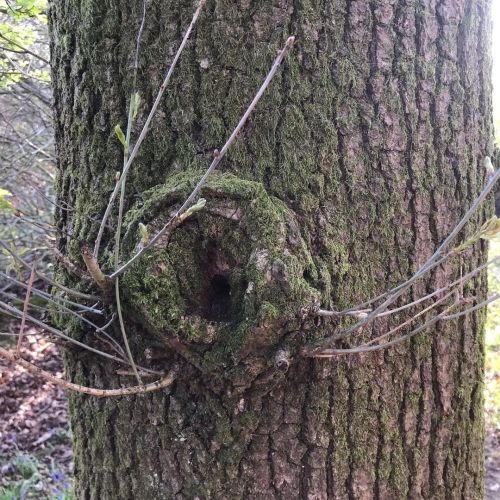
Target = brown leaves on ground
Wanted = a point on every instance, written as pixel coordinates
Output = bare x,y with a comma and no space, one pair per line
33,414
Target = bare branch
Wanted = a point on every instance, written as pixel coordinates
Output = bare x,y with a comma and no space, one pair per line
360,312
124,333
54,299
356,313
329,353
48,280
94,270
67,263
217,159
24,49
12,311
327,342
489,300
25,308
410,320
100,393
145,129
131,113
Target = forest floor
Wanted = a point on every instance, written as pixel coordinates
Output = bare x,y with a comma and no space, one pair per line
35,440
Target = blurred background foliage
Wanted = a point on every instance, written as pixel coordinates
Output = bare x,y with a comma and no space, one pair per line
492,382
27,162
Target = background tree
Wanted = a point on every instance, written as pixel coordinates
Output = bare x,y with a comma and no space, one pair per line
358,162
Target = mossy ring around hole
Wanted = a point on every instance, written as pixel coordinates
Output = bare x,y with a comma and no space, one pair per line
239,265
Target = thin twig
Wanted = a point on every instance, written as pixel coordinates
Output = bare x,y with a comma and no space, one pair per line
131,112
65,310
462,280
489,300
124,333
217,159
25,308
109,339
452,253
72,268
356,313
94,270
138,47
12,311
325,343
395,289
128,373
444,316
100,393
410,320
11,334
145,129
28,51
48,280
329,353
53,299
459,282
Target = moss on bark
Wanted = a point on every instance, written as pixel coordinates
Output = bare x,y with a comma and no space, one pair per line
356,164
237,267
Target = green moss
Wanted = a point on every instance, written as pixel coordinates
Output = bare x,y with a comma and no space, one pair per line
237,266
320,401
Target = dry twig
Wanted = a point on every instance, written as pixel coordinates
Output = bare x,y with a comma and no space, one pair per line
25,308
100,393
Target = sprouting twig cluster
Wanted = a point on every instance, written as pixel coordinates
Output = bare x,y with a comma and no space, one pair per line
443,304
452,292
91,258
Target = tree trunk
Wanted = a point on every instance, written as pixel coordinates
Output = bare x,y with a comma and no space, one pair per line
362,156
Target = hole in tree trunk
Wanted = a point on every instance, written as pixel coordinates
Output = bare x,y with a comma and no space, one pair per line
221,288
216,300
307,276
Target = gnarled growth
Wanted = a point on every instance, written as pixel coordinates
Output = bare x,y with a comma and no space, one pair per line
232,277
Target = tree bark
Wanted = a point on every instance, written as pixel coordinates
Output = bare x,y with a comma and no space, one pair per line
363,155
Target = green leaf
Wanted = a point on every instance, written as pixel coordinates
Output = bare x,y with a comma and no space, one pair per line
4,203
121,136
20,9
196,208
490,228
134,103
143,230
490,169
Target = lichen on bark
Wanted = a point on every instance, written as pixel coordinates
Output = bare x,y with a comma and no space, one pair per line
356,164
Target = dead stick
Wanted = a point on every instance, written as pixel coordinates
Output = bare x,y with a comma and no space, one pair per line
26,306
103,281
100,393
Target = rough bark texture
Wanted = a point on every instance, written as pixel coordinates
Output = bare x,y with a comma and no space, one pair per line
360,159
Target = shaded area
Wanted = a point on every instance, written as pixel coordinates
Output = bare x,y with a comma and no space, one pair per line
35,441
